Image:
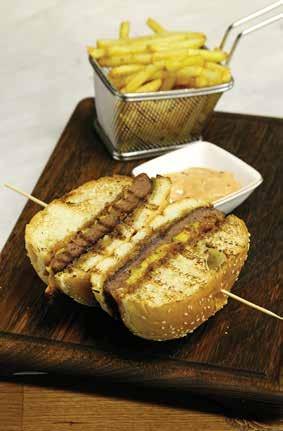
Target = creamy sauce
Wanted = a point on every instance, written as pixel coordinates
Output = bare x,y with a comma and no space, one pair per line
202,183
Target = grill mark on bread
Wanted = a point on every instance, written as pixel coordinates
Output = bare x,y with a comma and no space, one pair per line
195,224
161,318
122,233
109,218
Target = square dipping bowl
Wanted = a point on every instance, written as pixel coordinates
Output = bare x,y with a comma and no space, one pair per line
207,155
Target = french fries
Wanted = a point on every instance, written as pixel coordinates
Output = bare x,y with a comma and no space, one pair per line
105,43
140,78
162,61
125,59
168,82
179,44
95,52
125,70
150,86
174,65
124,30
183,76
155,26
137,48
224,71
214,56
198,82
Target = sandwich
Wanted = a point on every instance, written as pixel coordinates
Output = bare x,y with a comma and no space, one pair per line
175,283
117,243
60,238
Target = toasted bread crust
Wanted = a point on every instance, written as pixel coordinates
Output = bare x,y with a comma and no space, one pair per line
78,288
105,269
75,281
177,318
52,226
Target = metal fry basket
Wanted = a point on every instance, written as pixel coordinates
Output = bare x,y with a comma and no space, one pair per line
138,125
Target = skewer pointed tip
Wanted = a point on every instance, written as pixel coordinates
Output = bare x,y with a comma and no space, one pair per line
251,304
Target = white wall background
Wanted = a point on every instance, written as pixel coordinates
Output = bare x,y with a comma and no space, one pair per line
45,72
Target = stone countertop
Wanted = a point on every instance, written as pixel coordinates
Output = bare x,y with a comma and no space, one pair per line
45,72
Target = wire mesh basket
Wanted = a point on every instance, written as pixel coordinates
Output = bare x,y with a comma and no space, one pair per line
138,125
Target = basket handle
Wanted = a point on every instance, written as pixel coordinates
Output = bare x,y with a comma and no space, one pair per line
255,27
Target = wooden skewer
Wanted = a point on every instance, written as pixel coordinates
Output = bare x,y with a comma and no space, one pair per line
27,195
251,304
226,292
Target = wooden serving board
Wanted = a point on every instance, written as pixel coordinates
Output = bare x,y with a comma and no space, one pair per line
236,354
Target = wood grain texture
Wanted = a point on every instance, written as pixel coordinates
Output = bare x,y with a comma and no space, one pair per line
85,412
236,353
11,406
73,406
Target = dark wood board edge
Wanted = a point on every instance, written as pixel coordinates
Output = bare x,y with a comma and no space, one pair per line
71,359
15,346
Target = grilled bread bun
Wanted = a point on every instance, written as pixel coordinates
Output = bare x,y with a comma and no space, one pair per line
117,242
74,280
121,251
63,217
69,227
174,284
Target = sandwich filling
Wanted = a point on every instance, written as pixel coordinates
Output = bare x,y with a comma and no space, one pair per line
162,247
113,214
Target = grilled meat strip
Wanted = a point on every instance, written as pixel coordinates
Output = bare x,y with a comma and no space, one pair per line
112,215
197,223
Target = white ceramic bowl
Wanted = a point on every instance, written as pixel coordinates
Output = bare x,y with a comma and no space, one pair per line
207,155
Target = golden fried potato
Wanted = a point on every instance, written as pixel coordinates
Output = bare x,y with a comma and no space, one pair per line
106,43
165,60
184,75
127,49
223,70
176,44
125,59
168,82
95,52
124,30
194,60
213,56
140,78
125,70
155,26
150,86
226,76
